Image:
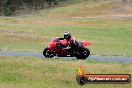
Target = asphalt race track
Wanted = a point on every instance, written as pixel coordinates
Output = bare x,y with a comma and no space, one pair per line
91,57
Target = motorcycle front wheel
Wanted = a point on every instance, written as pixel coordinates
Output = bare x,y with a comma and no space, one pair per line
47,53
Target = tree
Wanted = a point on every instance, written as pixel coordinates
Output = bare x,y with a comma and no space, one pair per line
124,1
9,6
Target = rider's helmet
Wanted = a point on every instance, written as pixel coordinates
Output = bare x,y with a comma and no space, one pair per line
67,35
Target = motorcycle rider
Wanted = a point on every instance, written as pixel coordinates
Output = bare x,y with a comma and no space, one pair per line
71,42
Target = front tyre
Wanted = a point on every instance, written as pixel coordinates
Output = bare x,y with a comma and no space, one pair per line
47,53
83,53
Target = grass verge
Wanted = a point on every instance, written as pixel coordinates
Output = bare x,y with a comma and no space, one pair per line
27,72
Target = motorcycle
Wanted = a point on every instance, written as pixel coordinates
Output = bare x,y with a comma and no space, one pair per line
59,47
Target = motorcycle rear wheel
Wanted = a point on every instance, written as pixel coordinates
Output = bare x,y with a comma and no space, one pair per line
83,53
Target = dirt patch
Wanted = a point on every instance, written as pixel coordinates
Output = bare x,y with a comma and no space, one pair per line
17,33
54,23
21,34
62,22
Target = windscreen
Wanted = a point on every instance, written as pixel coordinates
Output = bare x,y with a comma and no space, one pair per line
56,40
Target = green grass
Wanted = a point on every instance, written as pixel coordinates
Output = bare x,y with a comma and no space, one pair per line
84,9
68,8
108,36
27,72
80,8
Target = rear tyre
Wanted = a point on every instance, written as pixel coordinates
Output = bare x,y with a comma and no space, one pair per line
47,53
83,53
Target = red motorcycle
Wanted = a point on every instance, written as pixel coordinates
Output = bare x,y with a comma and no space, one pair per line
59,47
